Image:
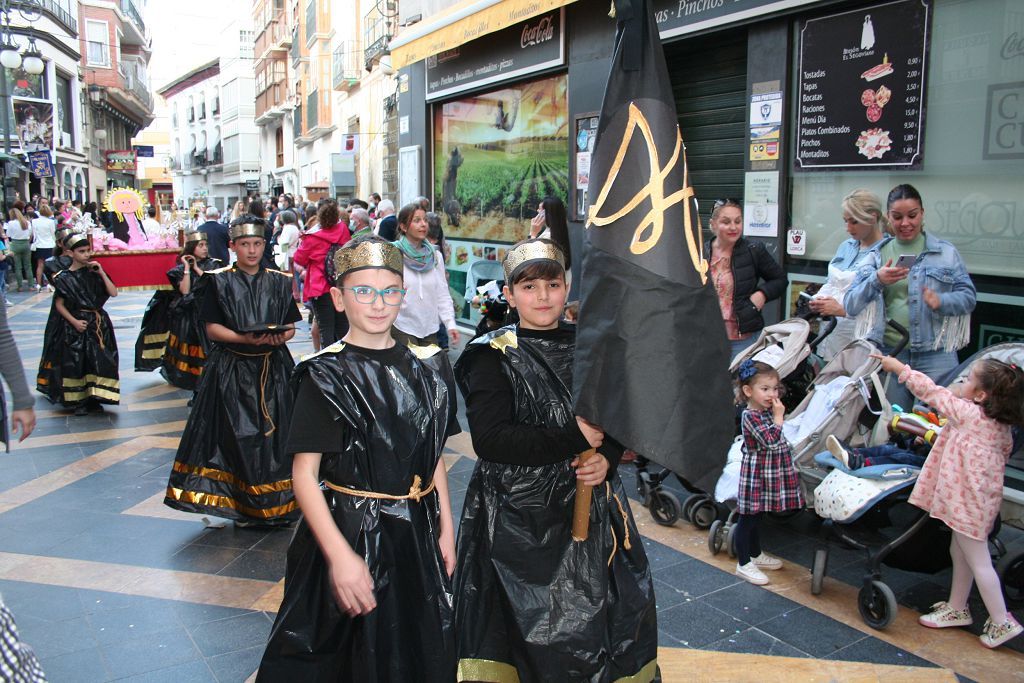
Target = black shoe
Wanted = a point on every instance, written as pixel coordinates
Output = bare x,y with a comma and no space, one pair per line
81,410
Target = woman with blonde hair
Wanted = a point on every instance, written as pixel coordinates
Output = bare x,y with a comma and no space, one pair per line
866,225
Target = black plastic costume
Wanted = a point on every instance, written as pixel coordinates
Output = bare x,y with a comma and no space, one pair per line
187,344
231,459
48,380
389,413
152,339
533,605
79,366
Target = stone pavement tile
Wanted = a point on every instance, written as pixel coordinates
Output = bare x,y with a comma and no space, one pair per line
152,652
755,641
207,559
96,602
697,624
84,665
695,578
276,542
189,672
232,634
152,551
256,564
17,541
55,638
115,625
877,652
235,667
271,600
749,603
810,631
660,556
193,614
42,602
195,587
235,537
669,596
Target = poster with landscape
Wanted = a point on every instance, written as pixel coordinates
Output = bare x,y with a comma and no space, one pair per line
497,155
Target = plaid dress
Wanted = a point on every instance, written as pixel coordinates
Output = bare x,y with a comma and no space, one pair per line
768,480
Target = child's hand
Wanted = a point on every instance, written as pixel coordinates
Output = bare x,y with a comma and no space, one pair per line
592,433
778,411
352,585
446,539
594,472
79,325
889,364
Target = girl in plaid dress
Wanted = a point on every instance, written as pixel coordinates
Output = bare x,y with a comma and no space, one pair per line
768,480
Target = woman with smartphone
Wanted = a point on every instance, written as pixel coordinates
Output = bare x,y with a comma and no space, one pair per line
551,223
921,282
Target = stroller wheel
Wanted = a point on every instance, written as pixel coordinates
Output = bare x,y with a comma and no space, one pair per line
818,568
643,489
664,507
730,539
704,513
688,506
877,604
1010,569
716,536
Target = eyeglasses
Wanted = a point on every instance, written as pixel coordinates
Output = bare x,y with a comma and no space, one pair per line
392,296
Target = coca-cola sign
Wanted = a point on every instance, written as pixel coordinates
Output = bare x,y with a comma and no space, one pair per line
541,32
536,44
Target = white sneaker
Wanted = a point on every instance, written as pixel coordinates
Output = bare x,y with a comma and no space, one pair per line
837,450
765,561
750,572
994,635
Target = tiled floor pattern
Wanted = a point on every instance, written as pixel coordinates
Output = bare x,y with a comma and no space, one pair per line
108,584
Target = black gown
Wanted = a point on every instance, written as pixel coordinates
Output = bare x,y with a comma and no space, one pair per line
79,366
48,381
383,413
534,605
187,345
231,461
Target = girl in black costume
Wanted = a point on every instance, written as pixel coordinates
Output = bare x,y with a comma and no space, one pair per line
87,356
48,380
187,344
534,605
367,593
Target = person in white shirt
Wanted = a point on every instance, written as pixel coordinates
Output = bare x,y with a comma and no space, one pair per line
43,240
19,235
150,225
288,239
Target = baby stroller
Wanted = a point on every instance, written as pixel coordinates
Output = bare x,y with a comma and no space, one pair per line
785,347
869,510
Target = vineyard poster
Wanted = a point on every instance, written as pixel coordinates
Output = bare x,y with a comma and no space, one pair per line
497,155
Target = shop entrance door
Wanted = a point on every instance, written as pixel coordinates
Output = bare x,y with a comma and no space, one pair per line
709,81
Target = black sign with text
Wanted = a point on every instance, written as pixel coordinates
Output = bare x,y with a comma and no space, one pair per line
862,88
530,46
679,17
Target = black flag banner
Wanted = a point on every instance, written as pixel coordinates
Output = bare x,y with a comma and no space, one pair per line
651,353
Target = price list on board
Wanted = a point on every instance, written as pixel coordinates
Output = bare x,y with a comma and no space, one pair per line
862,88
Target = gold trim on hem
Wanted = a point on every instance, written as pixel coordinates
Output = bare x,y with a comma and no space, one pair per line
153,354
92,379
212,500
158,338
486,671
645,675
228,478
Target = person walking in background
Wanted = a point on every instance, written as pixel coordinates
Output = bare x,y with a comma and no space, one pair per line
150,225
360,223
216,234
387,222
311,255
19,232
745,275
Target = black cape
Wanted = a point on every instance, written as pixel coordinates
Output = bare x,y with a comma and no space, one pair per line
231,460
532,602
152,339
48,380
79,366
187,344
392,409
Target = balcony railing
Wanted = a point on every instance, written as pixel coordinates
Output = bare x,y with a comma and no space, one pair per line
345,65
132,12
53,9
378,30
273,96
135,80
275,35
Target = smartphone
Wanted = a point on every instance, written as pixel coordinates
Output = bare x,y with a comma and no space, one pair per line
905,261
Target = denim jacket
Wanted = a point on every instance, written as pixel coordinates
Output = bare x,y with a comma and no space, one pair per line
846,254
940,269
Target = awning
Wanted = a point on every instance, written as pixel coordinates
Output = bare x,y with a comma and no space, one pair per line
461,23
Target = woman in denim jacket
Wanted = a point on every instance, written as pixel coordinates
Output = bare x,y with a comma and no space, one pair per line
933,298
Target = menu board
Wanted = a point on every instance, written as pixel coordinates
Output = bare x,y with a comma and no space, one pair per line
862,88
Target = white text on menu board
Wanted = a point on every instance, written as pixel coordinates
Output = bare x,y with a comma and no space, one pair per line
813,120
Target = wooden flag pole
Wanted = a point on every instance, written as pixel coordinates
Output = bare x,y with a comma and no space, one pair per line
581,509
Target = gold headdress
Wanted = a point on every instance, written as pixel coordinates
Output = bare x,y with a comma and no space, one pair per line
368,254
75,240
63,234
527,252
197,236
241,230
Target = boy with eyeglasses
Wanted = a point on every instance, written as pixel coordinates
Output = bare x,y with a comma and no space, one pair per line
231,461
367,591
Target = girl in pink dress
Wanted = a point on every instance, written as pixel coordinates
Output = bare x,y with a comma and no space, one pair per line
961,482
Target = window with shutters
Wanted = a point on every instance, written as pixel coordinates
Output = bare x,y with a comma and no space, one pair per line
97,46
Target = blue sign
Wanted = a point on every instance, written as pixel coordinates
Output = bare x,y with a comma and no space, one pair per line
41,164
144,151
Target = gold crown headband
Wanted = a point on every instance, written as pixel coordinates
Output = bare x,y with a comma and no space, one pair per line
241,230
197,237
62,234
534,250
75,240
368,254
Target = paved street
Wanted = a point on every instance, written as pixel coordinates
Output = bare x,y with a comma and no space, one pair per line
107,584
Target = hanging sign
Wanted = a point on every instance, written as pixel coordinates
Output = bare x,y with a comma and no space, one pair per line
862,87
41,164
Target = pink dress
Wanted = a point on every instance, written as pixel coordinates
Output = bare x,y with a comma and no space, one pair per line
961,482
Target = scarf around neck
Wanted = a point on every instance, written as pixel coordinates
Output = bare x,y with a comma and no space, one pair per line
420,260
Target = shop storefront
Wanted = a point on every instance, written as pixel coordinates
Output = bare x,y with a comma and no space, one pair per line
787,105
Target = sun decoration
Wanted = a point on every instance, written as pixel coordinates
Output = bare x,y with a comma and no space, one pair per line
124,201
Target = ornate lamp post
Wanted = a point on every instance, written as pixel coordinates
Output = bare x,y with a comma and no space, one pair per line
11,58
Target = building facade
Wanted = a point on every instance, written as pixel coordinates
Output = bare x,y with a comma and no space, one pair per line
115,48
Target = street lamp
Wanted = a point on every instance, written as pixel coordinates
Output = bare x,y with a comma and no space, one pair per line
10,58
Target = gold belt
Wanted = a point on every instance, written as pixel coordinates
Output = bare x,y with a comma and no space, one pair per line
415,492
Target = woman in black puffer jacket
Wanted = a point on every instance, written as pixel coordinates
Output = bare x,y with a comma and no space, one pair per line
745,275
